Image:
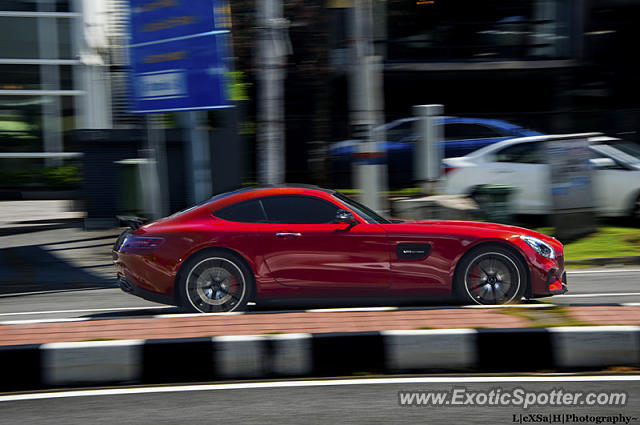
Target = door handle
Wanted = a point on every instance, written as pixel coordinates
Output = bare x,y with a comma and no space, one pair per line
288,235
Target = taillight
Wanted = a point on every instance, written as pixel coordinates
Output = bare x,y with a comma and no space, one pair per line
141,242
447,170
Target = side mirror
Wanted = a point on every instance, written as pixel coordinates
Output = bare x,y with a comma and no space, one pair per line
345,217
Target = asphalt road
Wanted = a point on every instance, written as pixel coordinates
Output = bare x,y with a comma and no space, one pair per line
588,287
347,401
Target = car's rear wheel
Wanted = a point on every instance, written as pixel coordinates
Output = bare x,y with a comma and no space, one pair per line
490,275
635,212
215,282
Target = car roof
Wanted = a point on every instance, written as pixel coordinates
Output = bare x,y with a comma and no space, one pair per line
505,143
593,137
227,198
457,120
243,194
276,187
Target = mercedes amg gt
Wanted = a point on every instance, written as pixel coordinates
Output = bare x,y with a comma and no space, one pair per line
310,243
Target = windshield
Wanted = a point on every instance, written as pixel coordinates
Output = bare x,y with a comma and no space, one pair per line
630,148
363,211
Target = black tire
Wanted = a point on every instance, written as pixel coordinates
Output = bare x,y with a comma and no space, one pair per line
490,274
215,282
473,194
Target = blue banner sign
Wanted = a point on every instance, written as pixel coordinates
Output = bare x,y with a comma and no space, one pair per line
179,54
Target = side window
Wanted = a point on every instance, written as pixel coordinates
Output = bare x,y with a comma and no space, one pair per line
297,209
400,131
461,131
243,212
527,153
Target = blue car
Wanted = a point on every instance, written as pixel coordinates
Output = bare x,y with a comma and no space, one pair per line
462,136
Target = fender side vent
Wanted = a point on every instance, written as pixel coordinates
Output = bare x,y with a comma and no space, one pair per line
412,251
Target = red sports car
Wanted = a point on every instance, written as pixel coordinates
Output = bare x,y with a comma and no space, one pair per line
302,242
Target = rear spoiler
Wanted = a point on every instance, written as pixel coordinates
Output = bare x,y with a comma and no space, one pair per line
131,221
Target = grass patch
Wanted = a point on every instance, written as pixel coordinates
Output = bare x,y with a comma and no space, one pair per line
608,241
404,192
545,317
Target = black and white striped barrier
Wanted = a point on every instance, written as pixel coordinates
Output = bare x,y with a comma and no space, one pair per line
303,355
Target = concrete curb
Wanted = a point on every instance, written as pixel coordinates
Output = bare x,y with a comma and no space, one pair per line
31,367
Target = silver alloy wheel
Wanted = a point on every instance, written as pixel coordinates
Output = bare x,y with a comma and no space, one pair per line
215,285
492,278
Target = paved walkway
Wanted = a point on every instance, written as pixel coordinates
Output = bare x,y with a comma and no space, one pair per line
188,325
44,247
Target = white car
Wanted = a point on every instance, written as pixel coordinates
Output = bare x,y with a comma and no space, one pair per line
522,163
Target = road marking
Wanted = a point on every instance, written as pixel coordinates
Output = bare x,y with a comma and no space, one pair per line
350,309
619,294
318,310
316,383
570,272
509,306
58,291
90,310
173,315
38,321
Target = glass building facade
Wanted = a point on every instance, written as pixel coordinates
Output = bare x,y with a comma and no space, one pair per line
460,30
37,68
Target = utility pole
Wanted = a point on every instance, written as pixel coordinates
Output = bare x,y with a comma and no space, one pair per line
273,47
429,150
367,108
198,156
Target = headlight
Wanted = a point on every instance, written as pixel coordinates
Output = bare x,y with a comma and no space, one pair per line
539,246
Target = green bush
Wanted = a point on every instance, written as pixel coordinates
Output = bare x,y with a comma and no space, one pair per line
65,176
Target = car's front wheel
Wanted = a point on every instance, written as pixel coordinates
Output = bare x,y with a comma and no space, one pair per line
215,282
490,275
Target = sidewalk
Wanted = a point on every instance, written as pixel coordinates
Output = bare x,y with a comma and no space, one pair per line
43,247
192,348
195,325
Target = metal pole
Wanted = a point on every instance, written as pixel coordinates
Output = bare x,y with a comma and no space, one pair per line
93,109
198,163
367,108
271,60
156,181
50,80
429,151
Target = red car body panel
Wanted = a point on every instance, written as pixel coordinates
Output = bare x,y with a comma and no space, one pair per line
328,260
327,256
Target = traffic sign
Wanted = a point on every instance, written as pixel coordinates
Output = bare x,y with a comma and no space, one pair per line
179,55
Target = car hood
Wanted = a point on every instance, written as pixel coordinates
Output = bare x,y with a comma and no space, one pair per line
472,226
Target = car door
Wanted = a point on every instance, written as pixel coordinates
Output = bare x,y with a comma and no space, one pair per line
523,166
615,187
304,248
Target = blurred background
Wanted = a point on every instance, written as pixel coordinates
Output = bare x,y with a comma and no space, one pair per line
523,112
499,68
